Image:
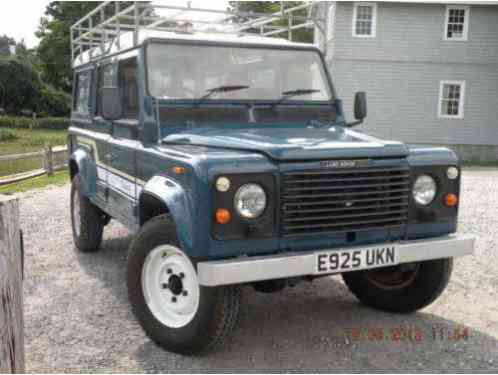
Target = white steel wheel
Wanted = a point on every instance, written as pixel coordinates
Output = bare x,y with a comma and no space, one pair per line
76,214
170,286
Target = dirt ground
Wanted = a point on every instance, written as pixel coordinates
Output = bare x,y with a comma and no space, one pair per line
78,318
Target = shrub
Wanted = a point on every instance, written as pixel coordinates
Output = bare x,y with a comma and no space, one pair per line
60,123
53,102
53,123
7,135
17,122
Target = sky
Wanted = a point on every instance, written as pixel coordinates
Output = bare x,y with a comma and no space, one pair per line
19,19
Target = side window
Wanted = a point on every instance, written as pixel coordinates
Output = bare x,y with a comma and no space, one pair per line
108,75
82,92
129,87
107,78
364,20
451,99
456,26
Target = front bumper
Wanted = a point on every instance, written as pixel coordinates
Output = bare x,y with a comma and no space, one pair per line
250,269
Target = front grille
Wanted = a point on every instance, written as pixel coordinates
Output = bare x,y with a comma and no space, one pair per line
344,200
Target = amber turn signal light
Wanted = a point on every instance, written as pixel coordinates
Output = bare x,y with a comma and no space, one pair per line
450,200
179,170
223,216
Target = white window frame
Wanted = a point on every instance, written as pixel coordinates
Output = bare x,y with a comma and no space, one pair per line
461,102
465,35
374,19
330,22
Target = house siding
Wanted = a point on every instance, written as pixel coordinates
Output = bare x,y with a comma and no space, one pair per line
410,32
401,69
403,100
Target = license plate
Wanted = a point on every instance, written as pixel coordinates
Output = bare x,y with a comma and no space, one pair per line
339,261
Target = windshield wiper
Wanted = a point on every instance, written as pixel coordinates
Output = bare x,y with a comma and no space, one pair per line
219,89
291,93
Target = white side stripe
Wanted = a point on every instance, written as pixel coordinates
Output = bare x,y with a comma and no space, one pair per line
117,182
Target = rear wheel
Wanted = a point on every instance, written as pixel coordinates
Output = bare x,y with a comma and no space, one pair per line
403,288
87,220
173,309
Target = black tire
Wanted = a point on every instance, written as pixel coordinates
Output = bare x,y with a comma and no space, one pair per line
421,289
91,221
218,307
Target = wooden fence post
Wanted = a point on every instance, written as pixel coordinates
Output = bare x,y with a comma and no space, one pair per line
11,301
49,161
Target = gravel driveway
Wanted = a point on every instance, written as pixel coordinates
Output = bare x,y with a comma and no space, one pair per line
78,318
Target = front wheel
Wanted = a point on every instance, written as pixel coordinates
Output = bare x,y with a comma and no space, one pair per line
403,288
87,220
172,308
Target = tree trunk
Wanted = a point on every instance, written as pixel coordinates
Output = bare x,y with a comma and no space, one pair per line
11,301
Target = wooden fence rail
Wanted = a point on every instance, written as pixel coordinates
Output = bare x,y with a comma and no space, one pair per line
53,159
11,301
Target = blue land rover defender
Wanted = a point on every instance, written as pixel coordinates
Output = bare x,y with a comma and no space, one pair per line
232,160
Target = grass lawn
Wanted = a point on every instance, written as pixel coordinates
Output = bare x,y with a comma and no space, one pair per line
28,141
58,178
32,140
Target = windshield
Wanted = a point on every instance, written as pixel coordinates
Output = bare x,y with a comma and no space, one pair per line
212,72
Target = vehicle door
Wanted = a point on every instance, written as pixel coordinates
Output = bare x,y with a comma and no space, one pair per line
89,135
123,144
105,74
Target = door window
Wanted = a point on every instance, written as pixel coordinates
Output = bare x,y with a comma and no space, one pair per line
107,77
129,87
82,92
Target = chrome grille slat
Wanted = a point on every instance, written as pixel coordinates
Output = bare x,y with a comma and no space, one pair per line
303,181
356,208
345,187
348,200
346,224
322,202
346,172
344,216
360,193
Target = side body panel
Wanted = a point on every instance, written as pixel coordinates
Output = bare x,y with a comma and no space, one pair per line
105,151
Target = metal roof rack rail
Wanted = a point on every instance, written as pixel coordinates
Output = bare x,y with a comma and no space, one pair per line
101,29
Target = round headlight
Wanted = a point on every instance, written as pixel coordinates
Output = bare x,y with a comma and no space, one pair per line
222,184
250,201
452,173
424,189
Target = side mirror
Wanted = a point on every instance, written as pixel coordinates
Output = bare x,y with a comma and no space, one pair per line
360,105
111,103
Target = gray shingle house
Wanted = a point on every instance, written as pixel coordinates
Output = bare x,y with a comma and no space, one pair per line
430,70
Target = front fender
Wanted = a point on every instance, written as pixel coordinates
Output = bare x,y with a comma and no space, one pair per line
87,173
179,204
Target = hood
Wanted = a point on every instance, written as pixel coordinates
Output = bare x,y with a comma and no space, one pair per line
291,142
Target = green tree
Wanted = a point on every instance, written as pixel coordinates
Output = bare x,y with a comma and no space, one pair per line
5,43
20,85
52,102
268,7
54,50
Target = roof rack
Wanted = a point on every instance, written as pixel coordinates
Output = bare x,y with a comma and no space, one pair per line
100,30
